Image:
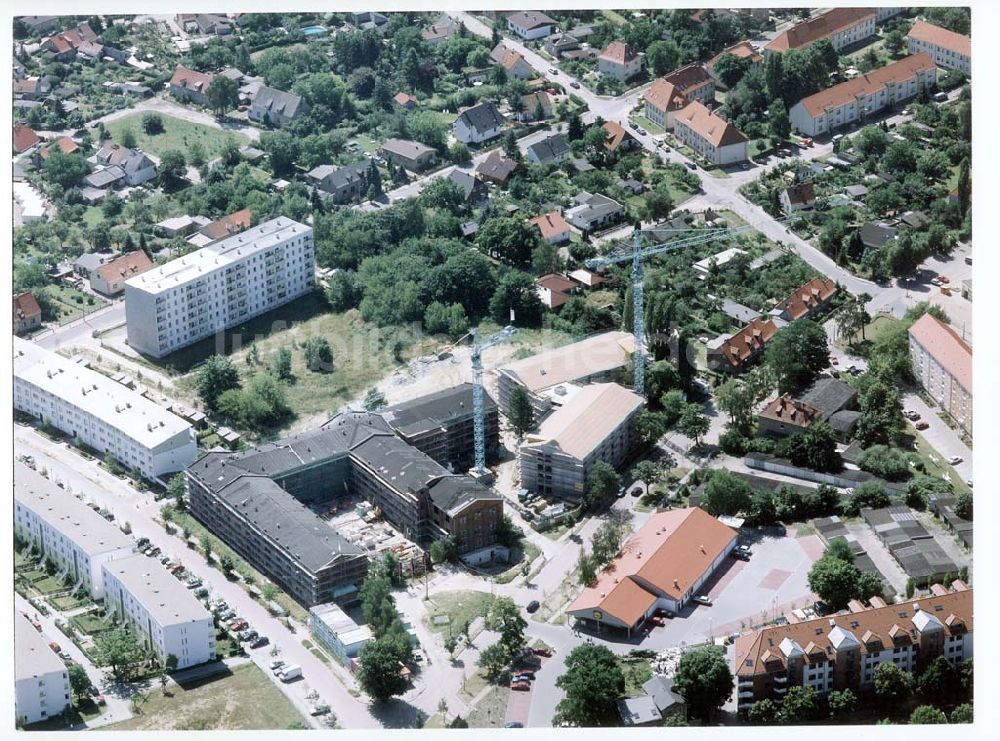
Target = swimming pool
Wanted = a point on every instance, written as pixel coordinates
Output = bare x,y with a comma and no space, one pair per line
313,30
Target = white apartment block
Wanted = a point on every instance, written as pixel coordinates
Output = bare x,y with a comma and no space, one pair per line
942,364
163,613
219,286
105,415
853,101
41,681
65,530
948,49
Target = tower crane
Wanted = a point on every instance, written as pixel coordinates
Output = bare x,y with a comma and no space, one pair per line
478,412
636,254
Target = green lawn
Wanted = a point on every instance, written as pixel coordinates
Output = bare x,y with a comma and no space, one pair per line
89,624
458,606
243,700
72,304
940,465
616,18
177,134
83,711
648,125
871,332
636,672
93,216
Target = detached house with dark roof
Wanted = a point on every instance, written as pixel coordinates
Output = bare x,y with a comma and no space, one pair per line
190,85
479,123
135,166
275,107
531,24
549,150
497,168
344,184
797,197
514,64
410,154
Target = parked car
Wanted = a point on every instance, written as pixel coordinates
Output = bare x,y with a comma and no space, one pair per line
520,686
702,599
621,493
533,606
941,97
542,652
55,646
935,281
319,710
806,141
553,71
142,542
238,625
276,664
968,259
201,592
739,555
912,415
64,655
99,699
575,85
193,583
521,678
637,491
944,279
155,552
259,641
922,425
246,635
954,460
514,724
227,615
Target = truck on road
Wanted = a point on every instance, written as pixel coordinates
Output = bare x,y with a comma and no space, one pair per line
288,673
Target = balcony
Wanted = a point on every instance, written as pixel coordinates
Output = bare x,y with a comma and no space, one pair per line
780,679
780,690
745,696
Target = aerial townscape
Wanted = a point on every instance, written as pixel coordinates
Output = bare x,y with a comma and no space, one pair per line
525,369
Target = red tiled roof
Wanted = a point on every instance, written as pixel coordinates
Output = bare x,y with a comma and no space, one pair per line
821,27
748,341
801,193
404,98
231,224
803,300
665,96
61,43
743,50
689,76
550,225
25,306
125,266
717,131
24,137
618,52
947,348
510,59
941,37
617,135
846,92
555,282
64,144
190,79
788,410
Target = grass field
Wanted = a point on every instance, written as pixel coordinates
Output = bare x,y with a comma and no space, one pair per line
879,324
89,624
69,308
458,606
636,672
491,711
177,134
93,216
939,466
243,700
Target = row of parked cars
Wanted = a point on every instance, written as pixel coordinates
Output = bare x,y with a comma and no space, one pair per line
236,625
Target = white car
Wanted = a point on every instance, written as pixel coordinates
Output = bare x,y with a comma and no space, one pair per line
702,599
954,460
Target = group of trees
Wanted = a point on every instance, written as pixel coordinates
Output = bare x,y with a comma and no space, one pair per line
593,682
605,545
381,660
836,579
726,493
503,617
260,403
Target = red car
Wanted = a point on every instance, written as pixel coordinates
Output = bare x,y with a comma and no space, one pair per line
834,360
520,686
944,279
238,625
922,425
542,652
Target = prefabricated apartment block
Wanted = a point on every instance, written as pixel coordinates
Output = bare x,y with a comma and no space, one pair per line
219,286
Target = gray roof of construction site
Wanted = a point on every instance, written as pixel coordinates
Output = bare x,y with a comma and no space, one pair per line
434,410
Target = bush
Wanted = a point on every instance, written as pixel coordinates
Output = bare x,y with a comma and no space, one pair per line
891,464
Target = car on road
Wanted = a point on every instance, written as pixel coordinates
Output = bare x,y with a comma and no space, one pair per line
155,552
514,724
575,85
834,360
319,709
702,599
968,259
227,614
201,592
521,678
935,281
238,625
954,460
553,71
64,655
276,665
806,141
691,165
941,97
142,543
641,130
912,415
922,425
259,641
520,686
542,652
246,635
621,493
533,606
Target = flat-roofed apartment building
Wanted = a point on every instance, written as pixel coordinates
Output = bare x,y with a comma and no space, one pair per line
105,415
841,652
219,286
259,502
942,363
165,616
855,100
594,424
41,680
442,425
66,531
843,26
598,358
948,49
662,566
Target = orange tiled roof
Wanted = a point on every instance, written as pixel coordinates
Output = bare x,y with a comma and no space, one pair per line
125,266
556,282
803,300
25,306
717,131
24,137
404,98
788,410
231,224
550,224
191,79
617,135
846,92
821,27
941,37
665,96
946,347
618,52
743,50
750,340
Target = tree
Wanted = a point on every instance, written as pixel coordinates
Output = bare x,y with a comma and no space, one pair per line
128,139
152,123
926,715
282,150
504,617
762,713
344,291
515,293
545,259
881,420
892,684
64,170
835,581
119,649
963,506
494,660
215,377
842,702
379,671
801,705
207,546
651,426
662,57
778,119
574,126
816,448
508,239
736,399
593,682
730,69
693,423
854,317
226,563
604,482
657,203
939,681
646,471
281,363
797,353
964,186
704,680
374,400
318,355
444,549
726,494
79,682
521,415
172,170
587,566
223,94
962,714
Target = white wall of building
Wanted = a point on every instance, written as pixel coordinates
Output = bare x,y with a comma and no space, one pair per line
41,681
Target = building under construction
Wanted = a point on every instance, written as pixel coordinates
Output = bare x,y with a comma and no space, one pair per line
263,502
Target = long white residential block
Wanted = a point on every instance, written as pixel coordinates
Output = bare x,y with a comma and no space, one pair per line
163,613
105,415
65,530
41,681
219,286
